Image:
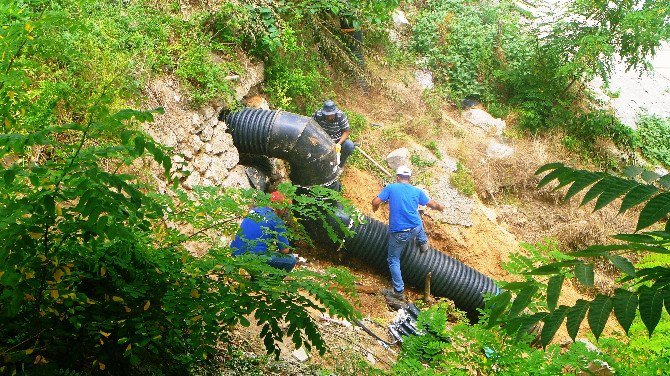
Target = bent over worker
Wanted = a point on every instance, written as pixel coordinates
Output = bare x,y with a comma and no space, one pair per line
336,124
404,223
261,231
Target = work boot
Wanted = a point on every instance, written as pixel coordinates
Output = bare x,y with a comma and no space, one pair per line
391,293
424,247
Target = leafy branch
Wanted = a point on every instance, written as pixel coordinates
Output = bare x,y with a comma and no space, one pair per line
648,288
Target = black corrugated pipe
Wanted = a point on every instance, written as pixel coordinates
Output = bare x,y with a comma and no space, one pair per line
299,140
310,153
450,278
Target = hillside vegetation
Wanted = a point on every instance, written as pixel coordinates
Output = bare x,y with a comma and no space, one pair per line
96,276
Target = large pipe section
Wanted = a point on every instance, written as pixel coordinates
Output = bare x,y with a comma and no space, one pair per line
308,149
296,139
450,278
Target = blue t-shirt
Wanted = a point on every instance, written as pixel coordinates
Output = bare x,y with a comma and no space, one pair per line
262,227
404,200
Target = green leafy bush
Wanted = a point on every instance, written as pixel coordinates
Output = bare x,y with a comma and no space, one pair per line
639,354
293,74
644,289
460,349
654,135
91,276
462,181
480,49
432,146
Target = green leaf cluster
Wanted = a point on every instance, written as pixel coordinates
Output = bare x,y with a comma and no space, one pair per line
94,271
654,134
462,349
645,290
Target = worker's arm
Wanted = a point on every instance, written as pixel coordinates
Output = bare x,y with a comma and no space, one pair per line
285,251
375,203
344,137
435,205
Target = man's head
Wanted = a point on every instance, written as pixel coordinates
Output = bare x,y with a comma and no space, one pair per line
403,173
329,110
280,202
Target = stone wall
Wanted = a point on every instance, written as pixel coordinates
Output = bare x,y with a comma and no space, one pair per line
199,140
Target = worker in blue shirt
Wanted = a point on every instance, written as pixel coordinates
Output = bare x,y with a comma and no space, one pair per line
404,223
264,232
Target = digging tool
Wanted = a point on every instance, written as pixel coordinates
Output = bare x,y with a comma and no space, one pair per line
373,161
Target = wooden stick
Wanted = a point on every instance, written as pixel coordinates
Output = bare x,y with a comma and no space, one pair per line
426,290
373,161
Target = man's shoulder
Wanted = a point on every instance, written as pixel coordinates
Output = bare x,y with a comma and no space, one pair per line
263,210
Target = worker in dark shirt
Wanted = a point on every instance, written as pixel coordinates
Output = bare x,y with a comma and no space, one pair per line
336,124
263,232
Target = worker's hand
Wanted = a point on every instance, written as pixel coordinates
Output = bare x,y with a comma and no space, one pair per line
338,148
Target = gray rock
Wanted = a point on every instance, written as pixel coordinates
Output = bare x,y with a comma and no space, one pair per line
450,163
195,119
195,144
221,141
399,20
237,178
424,78
206,132
458,209
484,120
499,150
192,180
218,170
398,157
202,162
188,154
253,75
166,137
300,354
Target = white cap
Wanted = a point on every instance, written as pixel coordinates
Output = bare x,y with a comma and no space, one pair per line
403,170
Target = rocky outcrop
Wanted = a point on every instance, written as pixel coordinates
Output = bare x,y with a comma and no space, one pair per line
482,119
199,140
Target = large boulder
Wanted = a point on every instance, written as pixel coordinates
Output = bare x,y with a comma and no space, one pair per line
482,119
398,157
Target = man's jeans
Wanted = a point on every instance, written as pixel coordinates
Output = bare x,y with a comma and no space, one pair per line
347,149
398,241
282,261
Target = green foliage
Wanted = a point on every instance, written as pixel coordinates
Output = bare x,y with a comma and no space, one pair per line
293,74
458,39
91,276
480,49
432,146
460,349
640,354
420,162
645,291
462,181
357,123
655,138
143,41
